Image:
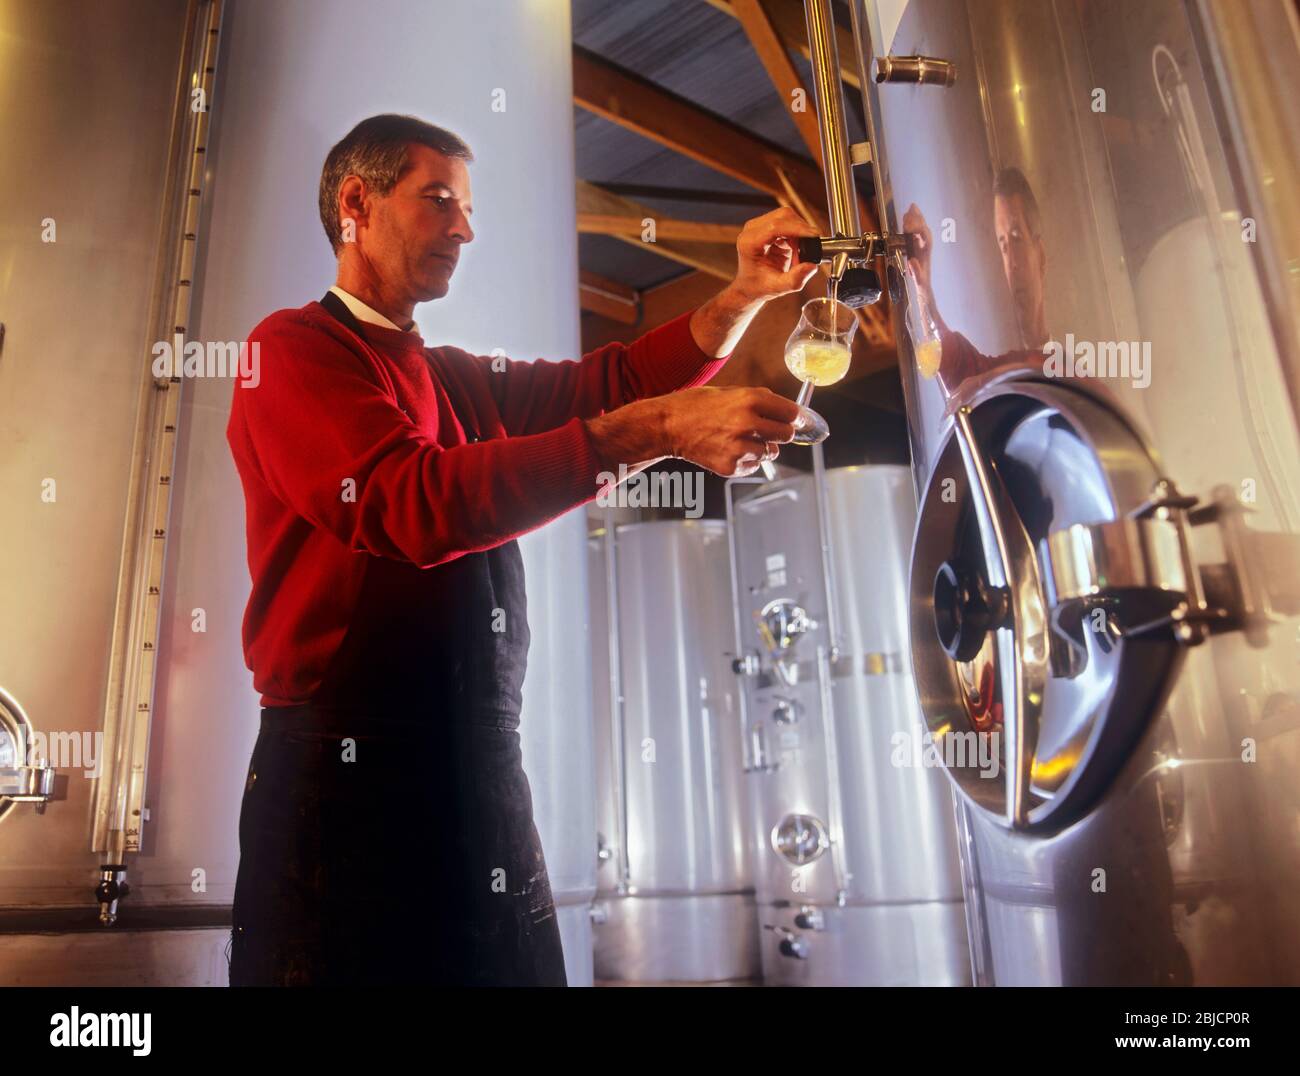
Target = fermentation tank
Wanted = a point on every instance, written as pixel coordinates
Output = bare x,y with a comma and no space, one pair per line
676,898
1106,571
854,841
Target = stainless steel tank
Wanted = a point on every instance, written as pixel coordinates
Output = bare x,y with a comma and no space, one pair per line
1106,572
856,862
96,138
675,900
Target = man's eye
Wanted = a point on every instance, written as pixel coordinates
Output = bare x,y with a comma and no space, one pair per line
439,198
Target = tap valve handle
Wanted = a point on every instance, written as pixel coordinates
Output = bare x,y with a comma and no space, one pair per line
810,249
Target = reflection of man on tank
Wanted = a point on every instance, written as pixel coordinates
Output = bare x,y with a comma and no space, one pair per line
1018,228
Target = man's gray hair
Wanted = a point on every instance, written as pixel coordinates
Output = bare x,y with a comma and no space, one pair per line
376,150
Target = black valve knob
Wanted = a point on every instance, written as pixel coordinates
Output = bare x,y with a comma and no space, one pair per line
810,249
966,609
859,287
108,891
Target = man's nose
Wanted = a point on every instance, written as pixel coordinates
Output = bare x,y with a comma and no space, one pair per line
461,231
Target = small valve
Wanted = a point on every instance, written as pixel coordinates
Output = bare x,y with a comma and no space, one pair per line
786,711
112,888
791,944
810,918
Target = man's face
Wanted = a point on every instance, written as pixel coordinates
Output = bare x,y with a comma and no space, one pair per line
1024,260
414,233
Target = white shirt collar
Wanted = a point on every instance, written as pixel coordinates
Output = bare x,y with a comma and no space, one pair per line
365,313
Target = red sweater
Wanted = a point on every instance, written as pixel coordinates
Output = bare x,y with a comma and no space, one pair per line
349,447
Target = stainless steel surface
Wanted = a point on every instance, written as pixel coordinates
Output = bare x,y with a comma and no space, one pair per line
676,883
557,732
701,938
129,699
847,819
875,945
1158,842
1251,50
88,99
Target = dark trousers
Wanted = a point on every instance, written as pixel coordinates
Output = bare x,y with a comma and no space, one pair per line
378,853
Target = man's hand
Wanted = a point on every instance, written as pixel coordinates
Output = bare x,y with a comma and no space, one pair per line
767,265
919,261
728,431
767,256
914,225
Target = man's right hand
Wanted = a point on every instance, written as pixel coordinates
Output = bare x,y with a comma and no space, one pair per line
728,431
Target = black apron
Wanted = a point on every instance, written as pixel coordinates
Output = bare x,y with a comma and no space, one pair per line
386,832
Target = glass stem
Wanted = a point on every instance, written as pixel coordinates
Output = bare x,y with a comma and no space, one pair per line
805,393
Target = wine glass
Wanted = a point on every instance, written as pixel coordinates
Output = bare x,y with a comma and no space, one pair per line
818,353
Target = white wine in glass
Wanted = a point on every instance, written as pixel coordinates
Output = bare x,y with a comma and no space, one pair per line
818,353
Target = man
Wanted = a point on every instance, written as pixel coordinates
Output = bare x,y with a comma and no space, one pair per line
386,831
1018,229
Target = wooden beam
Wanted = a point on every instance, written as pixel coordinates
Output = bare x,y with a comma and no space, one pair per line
692,194
788,18
711,258
637,104
755,17
664,228
608,298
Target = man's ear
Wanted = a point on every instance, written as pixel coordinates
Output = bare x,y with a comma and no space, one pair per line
354,200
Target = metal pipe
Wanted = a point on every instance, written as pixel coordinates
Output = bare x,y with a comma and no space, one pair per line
747,762
618,733
820,491
841,196
834,800
916,70
826,658
863,49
